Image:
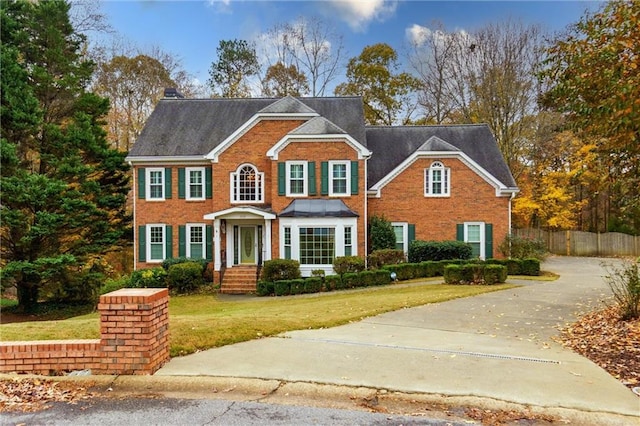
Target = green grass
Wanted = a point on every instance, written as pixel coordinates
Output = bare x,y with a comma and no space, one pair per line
7,303
201,322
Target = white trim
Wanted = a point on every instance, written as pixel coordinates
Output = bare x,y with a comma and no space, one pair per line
134,191
170,159
234,185
147,183
338,224
240,212
187,238
428,180
148,238
305,178
362,151
405,235
347,192
483,239
501,189
187,182
214,154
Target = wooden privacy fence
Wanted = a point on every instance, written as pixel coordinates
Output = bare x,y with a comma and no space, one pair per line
579,243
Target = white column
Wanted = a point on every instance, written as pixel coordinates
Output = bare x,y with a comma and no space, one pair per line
267,239
217,262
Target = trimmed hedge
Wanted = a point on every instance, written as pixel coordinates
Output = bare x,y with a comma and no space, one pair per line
265,288
420,251
280,269
379,258
332,282
185,277
313,285
345,264
475,273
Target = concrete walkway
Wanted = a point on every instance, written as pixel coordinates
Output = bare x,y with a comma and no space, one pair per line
495,346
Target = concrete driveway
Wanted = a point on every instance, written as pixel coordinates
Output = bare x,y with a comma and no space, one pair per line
495,346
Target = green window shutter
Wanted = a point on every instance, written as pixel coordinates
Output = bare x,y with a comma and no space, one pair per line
460,232
181,183
411,231
354,177
488,240
282,175
182,241
209,242
208,183
168,234
142,186
167,182
324,178
142,243
311,167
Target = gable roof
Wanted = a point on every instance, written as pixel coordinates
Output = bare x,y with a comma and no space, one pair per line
194,127
321,207
391,145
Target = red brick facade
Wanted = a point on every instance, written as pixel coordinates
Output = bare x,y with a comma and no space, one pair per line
134,328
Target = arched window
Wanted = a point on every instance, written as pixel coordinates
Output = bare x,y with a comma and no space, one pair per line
247,185
437,180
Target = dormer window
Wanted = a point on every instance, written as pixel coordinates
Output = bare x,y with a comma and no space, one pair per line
247,185
437,180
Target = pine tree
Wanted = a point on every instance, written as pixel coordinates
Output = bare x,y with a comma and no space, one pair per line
63,189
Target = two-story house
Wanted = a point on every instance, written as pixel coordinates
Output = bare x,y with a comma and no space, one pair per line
241,181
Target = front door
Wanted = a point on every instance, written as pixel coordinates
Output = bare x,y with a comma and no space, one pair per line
247,245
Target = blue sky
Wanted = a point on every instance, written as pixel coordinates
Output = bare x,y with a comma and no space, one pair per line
192,29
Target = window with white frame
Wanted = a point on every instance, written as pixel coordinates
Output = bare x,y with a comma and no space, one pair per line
195,183
437,180
248,185
296,178
339,177
155,184
348,241
400,229
474,235
287,242
317,245
156,247
195,241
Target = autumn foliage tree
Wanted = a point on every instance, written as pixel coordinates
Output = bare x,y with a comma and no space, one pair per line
593,77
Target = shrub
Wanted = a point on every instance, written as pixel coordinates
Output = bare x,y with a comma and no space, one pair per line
280,269
78,288
431,269
522,248
265,288
624,282
420,251
282,287
115,284
313,285
168,263
297,286
530,266
380,277
185,277
332,282
344,264
472,273
381,234
493,274
379,258
453,274
149,278
350,280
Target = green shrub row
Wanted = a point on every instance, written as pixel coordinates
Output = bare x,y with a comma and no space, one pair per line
317,284
475,273
420,251
429,268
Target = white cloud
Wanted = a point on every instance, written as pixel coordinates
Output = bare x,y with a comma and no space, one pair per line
359,13
221,6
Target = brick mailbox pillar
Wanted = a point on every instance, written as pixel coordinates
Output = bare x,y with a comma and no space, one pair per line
134,330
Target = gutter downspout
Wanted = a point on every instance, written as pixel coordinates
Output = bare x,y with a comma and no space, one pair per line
135,224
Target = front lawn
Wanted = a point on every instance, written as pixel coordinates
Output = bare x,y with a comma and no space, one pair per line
201,322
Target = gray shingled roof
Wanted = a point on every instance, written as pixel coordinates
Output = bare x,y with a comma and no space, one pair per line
193,127
315,207
318,126
392,145
288,105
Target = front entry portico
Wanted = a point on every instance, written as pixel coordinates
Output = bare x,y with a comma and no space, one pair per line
241,236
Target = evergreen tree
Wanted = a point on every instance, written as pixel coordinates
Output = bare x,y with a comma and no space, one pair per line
63,189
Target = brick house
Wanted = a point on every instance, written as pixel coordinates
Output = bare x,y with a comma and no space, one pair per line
242,181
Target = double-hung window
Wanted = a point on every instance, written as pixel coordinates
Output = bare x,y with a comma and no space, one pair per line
339,177
317,246
474,235
296,178
437,180
195,183
247,185
401,232
156,247
155,184
195,241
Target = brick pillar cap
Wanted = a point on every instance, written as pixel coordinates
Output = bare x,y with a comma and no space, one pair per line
135,295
